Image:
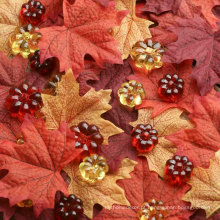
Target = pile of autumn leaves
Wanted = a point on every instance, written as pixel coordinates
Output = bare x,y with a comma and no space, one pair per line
105,31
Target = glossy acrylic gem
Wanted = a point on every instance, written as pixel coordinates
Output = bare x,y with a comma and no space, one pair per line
24,41
147,54
144,138
153,210
131,93
87,137
93,168
32,12
69,208
178,170
23,99
170,88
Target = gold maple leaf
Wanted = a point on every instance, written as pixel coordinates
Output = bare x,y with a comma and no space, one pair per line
132,28
205,191
9,20
105,192
166,123
69,106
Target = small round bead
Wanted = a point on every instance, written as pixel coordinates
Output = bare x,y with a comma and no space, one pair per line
170,88
147,55
131,94
93,168
144,138
27,100
178,170
87,137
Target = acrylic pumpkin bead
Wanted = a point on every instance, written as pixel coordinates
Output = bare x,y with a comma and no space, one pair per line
131,93
51,85
93,168
25,203
24,41
178,170
46,68
68,208
87,137
32,12
170,88
22,100
147,54
144,138
153,210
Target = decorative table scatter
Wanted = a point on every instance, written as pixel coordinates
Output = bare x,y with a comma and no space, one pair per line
110,109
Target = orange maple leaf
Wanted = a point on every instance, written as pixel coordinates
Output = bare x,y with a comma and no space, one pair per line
166,123
132,28
69,106
9,20
105,192
205,192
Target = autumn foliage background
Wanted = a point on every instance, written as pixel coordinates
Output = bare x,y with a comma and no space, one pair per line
92,40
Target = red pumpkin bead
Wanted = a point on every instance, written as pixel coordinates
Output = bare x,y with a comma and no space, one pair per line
144,138
68,208
178,170
32,12
22,100
46,68
170,88
87,137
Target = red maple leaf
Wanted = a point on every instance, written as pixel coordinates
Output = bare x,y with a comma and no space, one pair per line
150,82
144,186
196,40
185,8
8,211
13,73
159,6
86,30
34,167
201,142
53,8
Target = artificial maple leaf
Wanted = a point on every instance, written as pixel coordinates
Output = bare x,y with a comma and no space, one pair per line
34,167
9,20
166,123
13,72
68,106
105,192
185,8
206,52
205,191
103,2
8,211
83,33
203,141
90,73
132,28
159,6
150,83
53,8
142,187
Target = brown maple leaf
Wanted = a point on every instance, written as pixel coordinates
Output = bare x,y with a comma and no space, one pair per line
9,20
143,186
166,123
68,106
205,192
105,192
132,28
